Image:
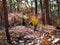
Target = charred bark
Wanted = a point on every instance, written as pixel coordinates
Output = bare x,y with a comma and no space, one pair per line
6,24
36,7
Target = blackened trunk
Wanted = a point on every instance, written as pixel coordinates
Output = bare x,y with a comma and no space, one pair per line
36,7
6,20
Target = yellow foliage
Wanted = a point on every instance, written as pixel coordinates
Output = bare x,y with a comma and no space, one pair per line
34,20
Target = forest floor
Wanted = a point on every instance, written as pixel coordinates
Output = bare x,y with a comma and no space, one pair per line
21,33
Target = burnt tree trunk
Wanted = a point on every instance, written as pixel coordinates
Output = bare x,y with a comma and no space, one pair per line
6,24
36,7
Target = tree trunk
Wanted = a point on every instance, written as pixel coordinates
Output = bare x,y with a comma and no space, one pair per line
58,2
45,11
11,10
18,5
42,14
6,20
42,11
36,7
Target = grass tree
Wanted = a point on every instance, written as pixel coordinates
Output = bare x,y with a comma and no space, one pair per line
34,22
